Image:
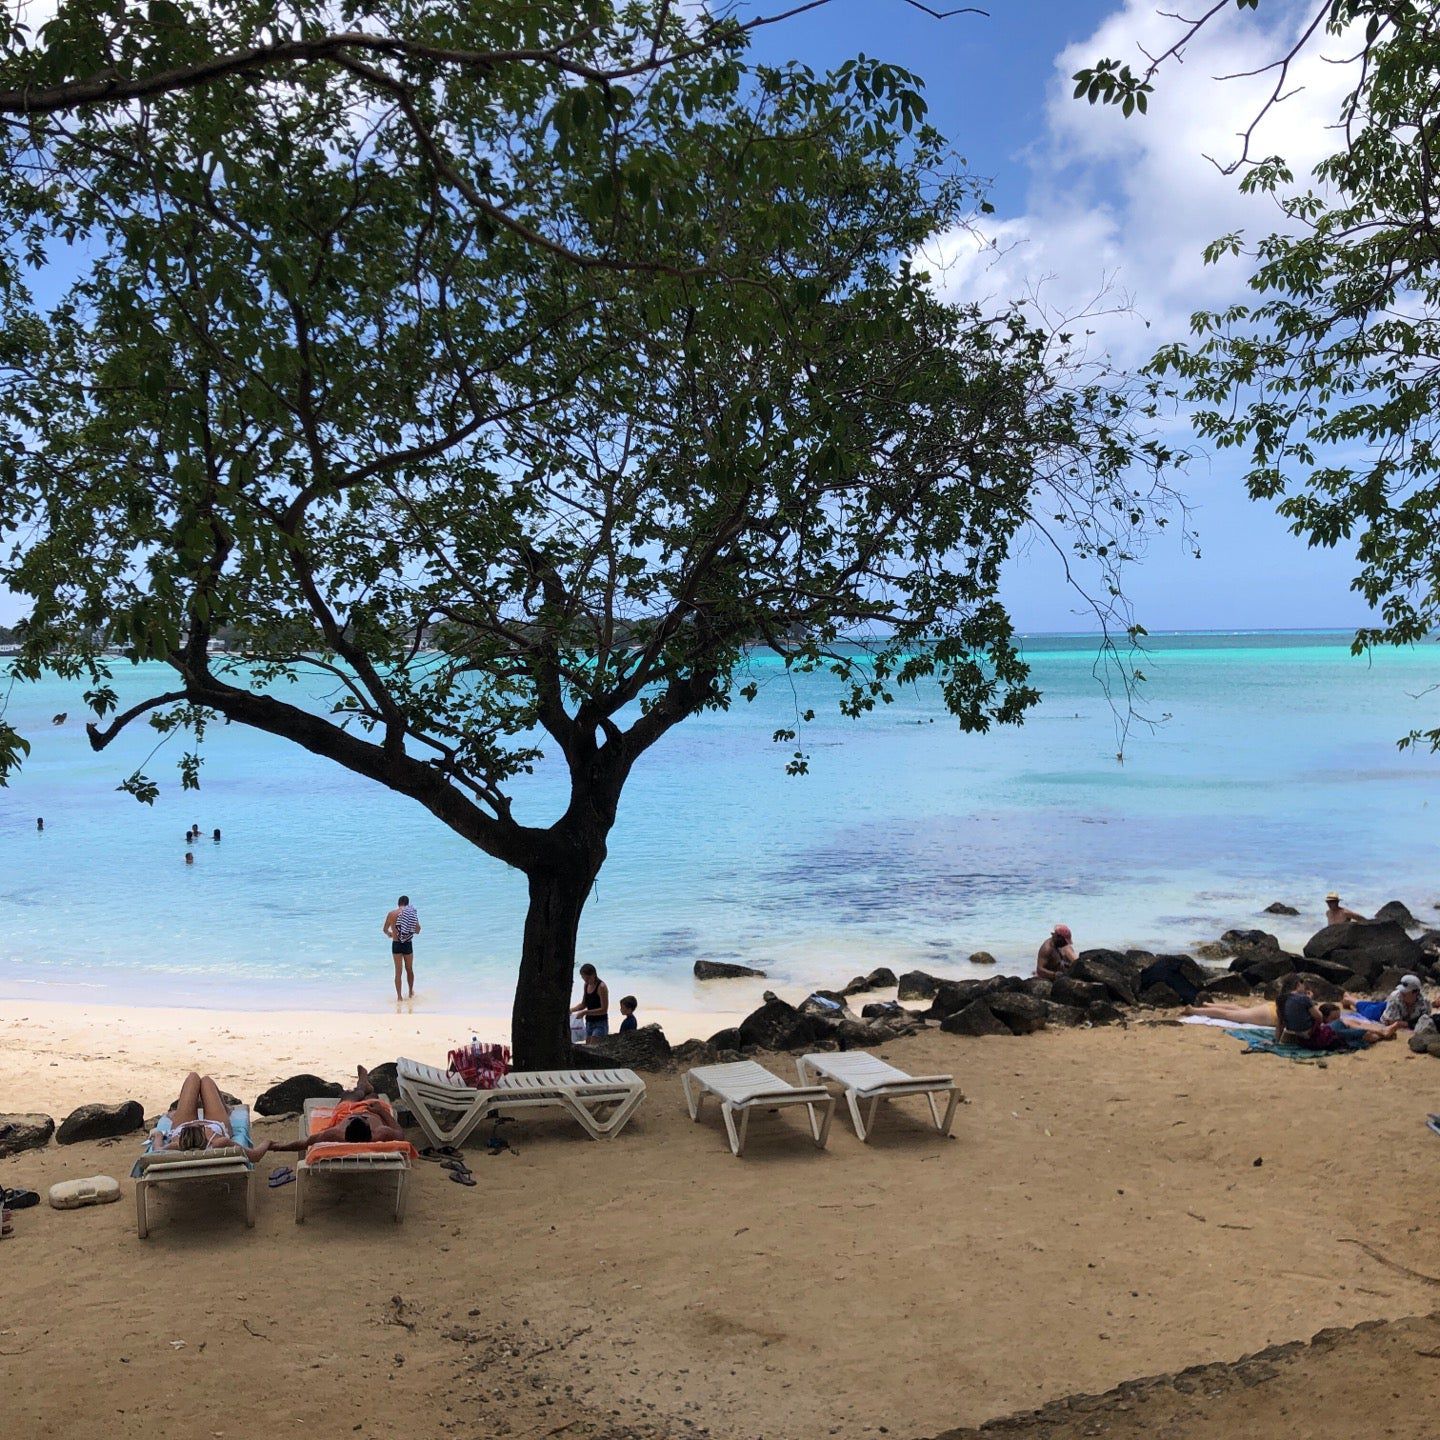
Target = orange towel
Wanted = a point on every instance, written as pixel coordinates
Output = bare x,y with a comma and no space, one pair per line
338,1150
322,1117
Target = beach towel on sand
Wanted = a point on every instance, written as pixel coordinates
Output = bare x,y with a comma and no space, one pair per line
1263,1042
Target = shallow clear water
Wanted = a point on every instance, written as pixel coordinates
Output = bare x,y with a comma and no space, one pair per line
1276,776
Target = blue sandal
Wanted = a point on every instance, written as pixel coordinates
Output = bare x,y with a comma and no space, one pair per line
283,1176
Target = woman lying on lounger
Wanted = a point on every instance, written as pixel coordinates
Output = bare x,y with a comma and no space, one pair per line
361,1116
200,1121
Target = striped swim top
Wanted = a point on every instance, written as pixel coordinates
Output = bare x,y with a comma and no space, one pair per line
407,922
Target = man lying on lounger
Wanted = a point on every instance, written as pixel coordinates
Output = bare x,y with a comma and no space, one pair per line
361,1116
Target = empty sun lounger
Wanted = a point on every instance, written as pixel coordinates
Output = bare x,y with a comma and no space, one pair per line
742,1086
386,1157
585,1095
866,1080
170,1167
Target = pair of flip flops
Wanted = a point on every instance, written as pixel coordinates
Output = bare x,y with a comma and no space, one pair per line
18,1199
459,1171
283,1176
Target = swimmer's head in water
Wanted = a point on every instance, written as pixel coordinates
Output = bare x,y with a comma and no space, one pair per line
357,1132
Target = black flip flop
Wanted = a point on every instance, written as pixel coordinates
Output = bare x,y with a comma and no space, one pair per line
18,1199
439,1153
462,1177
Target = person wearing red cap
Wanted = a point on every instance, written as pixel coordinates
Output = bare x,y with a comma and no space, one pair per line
1056,955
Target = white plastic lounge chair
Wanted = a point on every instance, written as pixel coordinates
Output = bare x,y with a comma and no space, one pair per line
746,1084
584,1095
167,1167
866,1080
363,1162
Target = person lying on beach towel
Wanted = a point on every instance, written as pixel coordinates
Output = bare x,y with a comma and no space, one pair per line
200,1121
1313,1027
361,1117
1261,1012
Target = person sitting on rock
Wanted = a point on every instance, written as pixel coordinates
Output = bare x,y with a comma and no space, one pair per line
1056,955
1336,913
200,1120
360,1117
1406,1004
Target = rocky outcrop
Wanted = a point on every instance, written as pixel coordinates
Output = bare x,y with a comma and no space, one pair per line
100,1122
1161,997
1242,940
880,978
1398,912
1279,907
1260,968
726,1039
644,1048
954,995
1366,947
1179,974
724,970
1022,1014
885,1010
289,1096
975,1019
385,1080
982,957
1331,970
1104,1012
1110,969
24,1132
1220,987
919,985
1067,990
777,1025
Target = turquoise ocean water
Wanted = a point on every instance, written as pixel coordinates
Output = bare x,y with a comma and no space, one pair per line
1274,775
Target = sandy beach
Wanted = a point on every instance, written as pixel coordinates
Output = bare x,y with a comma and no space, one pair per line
1115,1204
55,1055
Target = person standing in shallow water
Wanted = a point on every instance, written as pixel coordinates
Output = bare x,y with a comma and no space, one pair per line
1336,913
402,925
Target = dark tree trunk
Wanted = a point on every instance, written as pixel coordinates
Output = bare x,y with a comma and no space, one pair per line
539,1030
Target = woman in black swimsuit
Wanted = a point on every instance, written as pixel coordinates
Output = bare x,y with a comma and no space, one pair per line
594,1004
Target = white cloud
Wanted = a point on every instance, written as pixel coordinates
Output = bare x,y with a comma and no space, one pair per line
1130,203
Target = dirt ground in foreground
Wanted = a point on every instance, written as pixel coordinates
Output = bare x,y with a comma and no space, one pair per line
1115,1204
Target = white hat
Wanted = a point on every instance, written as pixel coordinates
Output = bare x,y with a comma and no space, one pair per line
1410,982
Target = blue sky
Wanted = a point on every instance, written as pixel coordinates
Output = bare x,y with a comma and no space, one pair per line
1085,199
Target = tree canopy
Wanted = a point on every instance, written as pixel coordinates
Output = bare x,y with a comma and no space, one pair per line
304,394
1328,378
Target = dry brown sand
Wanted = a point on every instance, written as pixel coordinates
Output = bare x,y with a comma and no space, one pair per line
1099,1216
